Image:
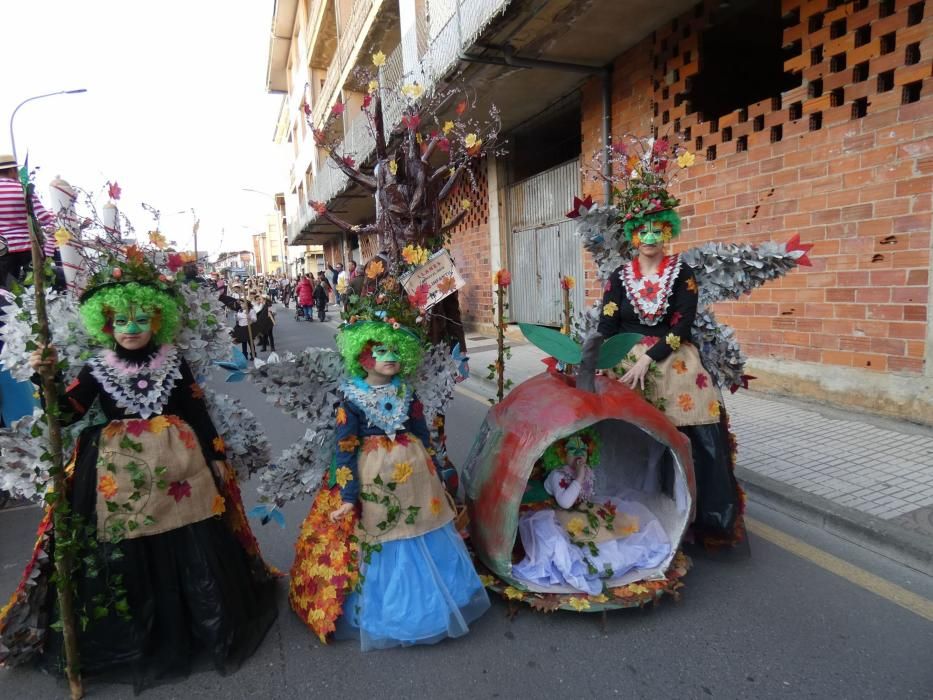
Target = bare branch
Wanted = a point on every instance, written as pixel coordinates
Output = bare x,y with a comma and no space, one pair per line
359,178
453,222
449,185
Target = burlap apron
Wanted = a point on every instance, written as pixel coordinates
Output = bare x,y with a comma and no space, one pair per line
587,524
152,478
401,493
681,387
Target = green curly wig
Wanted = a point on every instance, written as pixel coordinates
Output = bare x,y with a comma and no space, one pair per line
665,215
555,455
353,339
97,311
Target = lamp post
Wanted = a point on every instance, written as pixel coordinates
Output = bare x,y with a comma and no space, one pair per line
30,99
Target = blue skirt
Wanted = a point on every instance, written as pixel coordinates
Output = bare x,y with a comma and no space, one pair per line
415,591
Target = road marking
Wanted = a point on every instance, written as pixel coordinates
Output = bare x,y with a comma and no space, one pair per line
877,585
472,395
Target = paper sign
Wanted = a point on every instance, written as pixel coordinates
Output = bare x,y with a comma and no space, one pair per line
433,281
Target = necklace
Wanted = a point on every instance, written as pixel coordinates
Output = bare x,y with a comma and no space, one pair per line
650,294
385,407
139,389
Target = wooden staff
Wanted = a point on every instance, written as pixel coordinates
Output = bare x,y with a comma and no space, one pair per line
60,510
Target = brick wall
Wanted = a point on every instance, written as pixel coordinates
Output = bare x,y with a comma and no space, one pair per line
470,246
845,160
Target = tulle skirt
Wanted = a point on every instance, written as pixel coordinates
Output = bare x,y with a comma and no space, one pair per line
418,590
551,559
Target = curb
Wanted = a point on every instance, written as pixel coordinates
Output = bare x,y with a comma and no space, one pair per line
868,531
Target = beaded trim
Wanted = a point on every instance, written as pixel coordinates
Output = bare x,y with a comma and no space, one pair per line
141,390
650,307
385,407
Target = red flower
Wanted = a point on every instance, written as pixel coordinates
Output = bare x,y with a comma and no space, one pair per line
319,207
587,203
349,162
461,107
320,138
417,409
444,145
411,122
420,297
675,318
403,439
113,190
503,278
179,490
649,340
136,427
660,147
564,483
649,290
367,100
306,108
338,109
175,263
702,380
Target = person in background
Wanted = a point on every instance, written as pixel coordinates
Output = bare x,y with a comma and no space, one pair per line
305,293
14,222
245,317
265,324
341,284
321,295
354,271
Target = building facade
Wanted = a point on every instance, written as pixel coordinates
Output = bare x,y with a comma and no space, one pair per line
808,117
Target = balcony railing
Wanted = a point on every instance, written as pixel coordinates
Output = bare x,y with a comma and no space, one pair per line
461,30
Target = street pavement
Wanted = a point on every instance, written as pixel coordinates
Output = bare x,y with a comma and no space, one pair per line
800,613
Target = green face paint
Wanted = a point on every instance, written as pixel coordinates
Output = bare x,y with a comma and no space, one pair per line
132,323
385,353
650,237
576,448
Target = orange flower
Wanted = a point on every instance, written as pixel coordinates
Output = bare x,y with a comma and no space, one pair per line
107,486
714,409
679,366
219,505
341,416
692,285
218,444
113,429
685,401
435,506
567,282
503,278
196,391
448,284
349,444
374,269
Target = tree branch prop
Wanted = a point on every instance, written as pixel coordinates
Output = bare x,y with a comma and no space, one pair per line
58,498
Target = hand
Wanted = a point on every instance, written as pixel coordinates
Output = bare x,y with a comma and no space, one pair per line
579,465
635,377
37,362
337,515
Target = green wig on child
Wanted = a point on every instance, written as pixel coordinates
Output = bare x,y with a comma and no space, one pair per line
354,339
99,307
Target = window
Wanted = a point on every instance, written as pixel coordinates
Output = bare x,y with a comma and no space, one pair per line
738,67
275,258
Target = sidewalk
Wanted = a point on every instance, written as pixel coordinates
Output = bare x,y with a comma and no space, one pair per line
865,478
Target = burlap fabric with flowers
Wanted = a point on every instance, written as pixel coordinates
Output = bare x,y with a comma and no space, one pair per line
680,387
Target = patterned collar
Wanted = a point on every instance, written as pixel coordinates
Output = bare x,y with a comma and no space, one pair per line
141,389
385,407
650,294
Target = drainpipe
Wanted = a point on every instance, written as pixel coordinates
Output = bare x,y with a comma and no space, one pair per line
510,59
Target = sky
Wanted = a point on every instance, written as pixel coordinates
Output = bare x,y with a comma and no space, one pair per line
175,111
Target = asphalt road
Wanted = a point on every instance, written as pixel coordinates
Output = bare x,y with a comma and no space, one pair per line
773,623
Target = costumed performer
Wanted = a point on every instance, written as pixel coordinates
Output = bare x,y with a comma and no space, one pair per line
574,537
655,295
383,506
169,566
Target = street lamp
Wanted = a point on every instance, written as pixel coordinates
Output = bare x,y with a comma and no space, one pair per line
30,99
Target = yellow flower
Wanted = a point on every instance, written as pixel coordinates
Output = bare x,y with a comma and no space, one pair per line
219,506
575,526
486,579
402,472
374,269
610,309
107,486
158,240
601,598
379,59
638,588
466,203
578,603
62,236
435,506
160,423
373,85
472,140
568,282
412,91
714,409
673,341
343,475
217,443
348,444
393,166
686,159
448,127
513,593
414,255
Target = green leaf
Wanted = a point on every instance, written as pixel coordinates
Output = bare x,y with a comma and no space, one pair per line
100,612
616,348
554,343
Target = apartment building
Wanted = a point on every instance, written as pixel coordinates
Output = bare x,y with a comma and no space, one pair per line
809,117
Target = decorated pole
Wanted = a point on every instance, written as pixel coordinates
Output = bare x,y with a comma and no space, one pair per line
59,502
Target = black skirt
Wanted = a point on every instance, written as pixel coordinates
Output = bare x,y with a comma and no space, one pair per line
193,593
